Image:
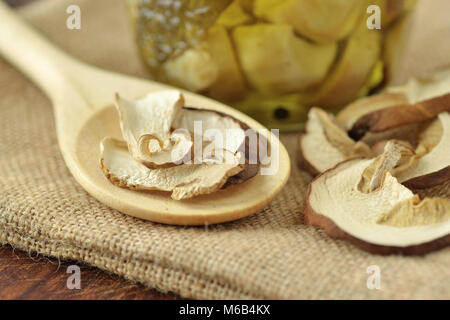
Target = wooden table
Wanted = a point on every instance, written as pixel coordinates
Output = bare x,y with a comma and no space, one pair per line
26,275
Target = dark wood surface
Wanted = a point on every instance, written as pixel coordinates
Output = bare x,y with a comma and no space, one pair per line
26,275
31,276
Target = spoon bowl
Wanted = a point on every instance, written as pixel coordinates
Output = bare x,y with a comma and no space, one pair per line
82,98
233,202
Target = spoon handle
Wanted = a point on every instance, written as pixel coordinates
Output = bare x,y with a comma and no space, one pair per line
31,53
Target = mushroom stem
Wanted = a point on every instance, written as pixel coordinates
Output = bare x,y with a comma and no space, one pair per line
394,152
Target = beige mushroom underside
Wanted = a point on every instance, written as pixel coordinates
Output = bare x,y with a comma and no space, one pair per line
325,144
148,120
185,181
151,127
434,160
225,126
373,217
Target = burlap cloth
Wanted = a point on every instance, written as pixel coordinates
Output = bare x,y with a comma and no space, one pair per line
271,254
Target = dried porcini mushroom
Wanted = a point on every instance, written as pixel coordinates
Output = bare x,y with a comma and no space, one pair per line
169,147
184,181
325,143
384,219
358,109
431,166
425,99
397,116
374,201
211,122
236,140
355,110
414,91
146,127
399,113
395,153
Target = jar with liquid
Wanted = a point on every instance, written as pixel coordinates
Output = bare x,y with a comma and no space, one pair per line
272,59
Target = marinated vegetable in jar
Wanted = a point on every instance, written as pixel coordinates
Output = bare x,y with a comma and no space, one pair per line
272,59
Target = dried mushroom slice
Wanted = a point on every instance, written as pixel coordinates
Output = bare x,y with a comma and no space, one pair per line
146,127
401,115
184,181
431,167
408,133
385,220
212,125
173,154
355,110
325,144
396,112
395,153
234,134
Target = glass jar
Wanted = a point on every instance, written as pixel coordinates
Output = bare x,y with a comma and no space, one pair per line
271,59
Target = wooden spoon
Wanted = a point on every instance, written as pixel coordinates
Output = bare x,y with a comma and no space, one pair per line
82,98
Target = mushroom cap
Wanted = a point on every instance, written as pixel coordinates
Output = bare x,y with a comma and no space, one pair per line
414,91
325,143
355,110
400,115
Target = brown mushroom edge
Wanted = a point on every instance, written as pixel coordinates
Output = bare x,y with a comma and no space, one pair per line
320,221
249,170
400,115
429,180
